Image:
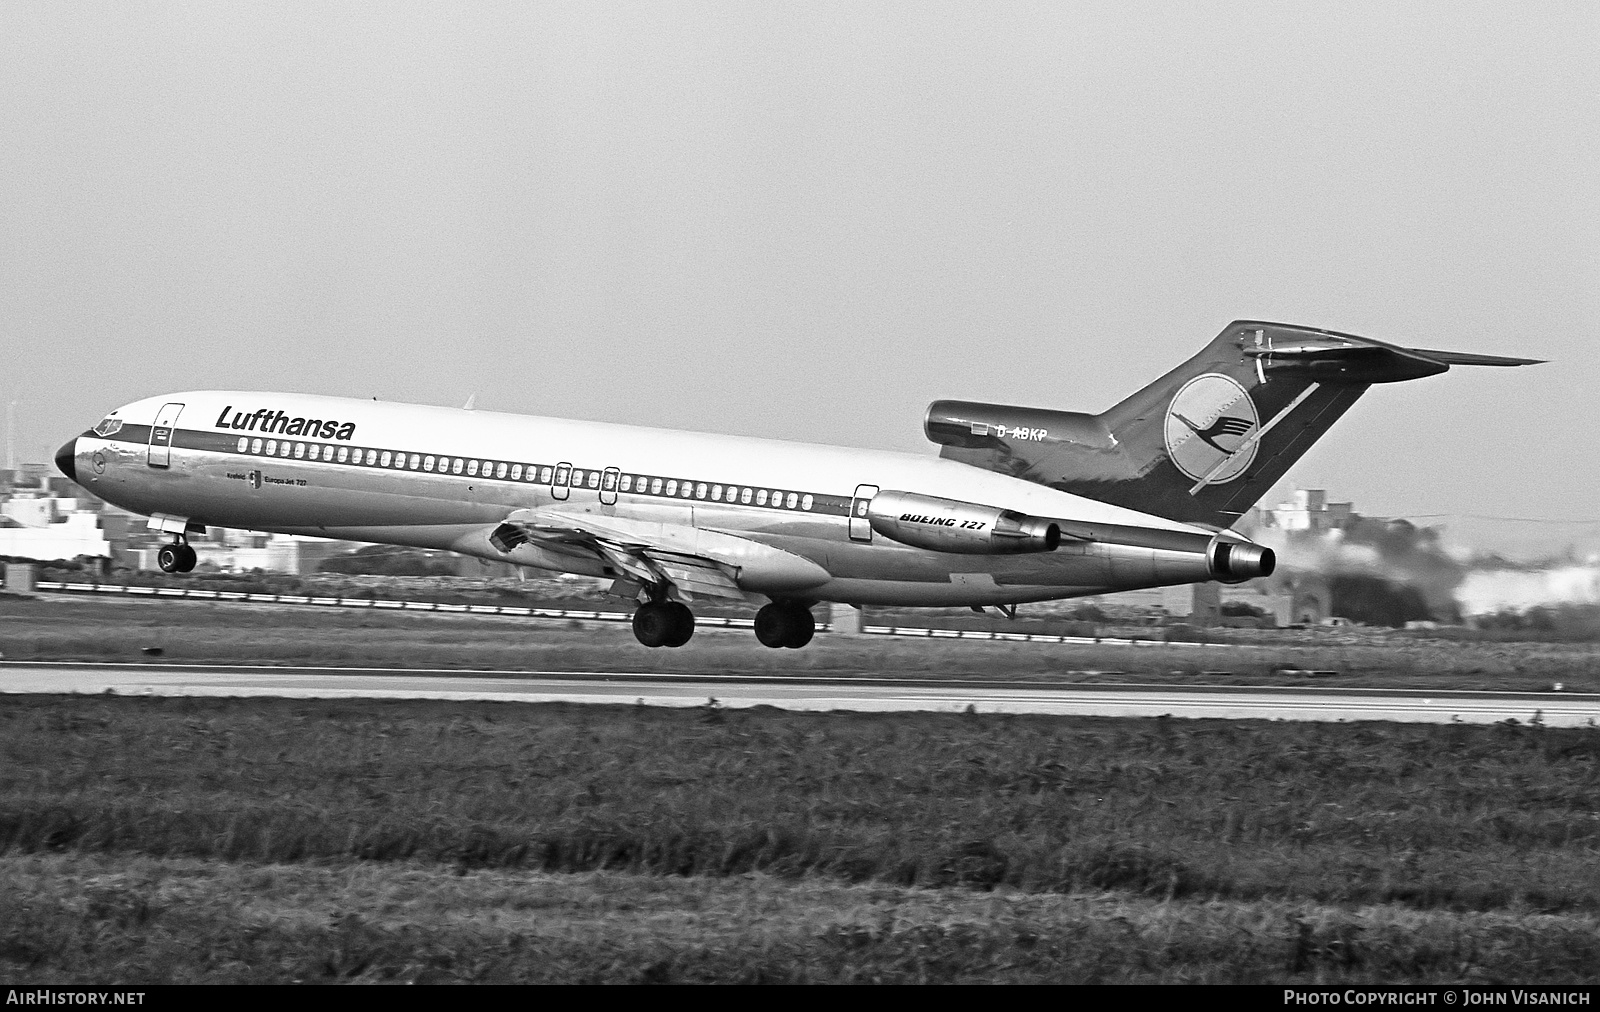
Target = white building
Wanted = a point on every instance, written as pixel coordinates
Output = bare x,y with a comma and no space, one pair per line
74,535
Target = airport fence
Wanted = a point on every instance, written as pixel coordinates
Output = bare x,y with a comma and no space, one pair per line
514,611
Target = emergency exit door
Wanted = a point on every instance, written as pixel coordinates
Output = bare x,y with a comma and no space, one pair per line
160,454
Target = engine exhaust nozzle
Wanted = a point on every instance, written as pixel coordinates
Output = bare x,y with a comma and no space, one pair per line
1238,561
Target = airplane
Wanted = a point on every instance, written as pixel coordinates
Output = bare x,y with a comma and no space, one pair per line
1021,504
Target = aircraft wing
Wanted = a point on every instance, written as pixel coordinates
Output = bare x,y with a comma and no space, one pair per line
698,563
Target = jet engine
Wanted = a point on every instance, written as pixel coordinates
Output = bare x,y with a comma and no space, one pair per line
949,525
1235,561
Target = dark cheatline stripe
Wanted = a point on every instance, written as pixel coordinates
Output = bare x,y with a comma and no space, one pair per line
139,434
228,443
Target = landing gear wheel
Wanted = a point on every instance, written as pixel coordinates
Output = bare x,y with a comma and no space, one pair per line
785,625
801,628
683,624
663,624
169,559
175,558
654,624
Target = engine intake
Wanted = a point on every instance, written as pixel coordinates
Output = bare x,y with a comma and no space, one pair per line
949,525
1234,561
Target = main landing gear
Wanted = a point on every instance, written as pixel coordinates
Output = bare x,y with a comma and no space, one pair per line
785,625
177,557
670,624
663,624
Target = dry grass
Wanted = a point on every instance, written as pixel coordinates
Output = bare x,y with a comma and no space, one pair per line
86,918
151,840
1456,817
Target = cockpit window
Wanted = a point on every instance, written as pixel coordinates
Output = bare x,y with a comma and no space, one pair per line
110,425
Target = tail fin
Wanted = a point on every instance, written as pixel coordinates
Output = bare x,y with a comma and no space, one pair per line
1204,442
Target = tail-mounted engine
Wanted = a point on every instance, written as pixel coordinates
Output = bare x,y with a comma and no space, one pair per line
1235,561
949,525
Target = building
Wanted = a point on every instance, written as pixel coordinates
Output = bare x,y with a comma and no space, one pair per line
47,517
1300,529
1307,510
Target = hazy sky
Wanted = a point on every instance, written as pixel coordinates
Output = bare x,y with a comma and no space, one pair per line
808,220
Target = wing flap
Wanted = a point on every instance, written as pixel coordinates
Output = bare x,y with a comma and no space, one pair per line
696,563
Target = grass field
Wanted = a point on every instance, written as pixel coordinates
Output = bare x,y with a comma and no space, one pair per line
149,840
66,628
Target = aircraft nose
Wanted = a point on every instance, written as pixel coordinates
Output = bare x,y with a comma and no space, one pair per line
67,458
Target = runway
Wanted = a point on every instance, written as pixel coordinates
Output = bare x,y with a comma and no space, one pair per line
816,694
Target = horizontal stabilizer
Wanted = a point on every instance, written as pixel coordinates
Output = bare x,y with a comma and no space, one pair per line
1329,357
1468,358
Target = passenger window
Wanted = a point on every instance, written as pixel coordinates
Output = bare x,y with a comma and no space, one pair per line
544,475
427,463
500,469
516,472
700,490
457,465
744,495
383,461
716,493
372,457
300,450
244,443
791,500
344,454
563,472
272,447
627,482
672,488
805,502
761,497
655,486
255,446
472,467
594,479
609,481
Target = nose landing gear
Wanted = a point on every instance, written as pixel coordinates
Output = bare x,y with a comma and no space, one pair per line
177,557
785,625
663,624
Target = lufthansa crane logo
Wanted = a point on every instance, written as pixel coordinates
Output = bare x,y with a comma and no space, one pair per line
1211,421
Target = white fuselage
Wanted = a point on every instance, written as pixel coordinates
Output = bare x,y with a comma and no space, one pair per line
444,478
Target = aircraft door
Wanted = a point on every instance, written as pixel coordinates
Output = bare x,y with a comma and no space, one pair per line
560,485
860,526
160,454
608,486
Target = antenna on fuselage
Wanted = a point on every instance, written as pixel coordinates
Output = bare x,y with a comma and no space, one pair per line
472,401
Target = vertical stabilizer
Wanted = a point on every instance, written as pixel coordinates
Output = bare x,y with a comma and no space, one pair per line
1203,443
